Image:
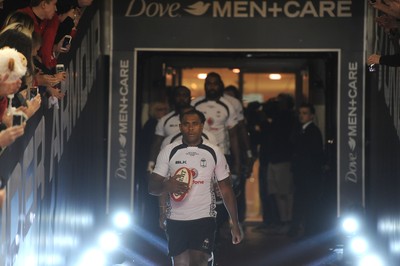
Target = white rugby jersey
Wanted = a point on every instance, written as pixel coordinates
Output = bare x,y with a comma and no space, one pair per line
206,135
220,117
237,106
168,124
205,161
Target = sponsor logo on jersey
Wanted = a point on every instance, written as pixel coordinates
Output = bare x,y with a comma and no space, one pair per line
195,173
210,121
192,153
180,162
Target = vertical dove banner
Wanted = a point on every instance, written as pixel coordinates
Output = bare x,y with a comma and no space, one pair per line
121,135
254,26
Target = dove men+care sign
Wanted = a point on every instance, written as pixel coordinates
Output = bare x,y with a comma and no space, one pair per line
252,26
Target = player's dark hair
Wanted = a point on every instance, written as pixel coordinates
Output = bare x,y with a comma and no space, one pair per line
233,90
180,88
218,77
193,112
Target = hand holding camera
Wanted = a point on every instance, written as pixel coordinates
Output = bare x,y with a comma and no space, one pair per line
65,43
9,135
61,75
18,118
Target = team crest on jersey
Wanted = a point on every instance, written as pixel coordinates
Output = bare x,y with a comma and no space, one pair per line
203,163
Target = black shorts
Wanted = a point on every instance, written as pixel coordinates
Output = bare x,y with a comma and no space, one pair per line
194,234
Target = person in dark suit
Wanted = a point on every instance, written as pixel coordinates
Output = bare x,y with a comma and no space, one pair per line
307,164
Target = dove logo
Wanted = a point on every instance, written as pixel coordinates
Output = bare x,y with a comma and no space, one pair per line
153,9
198,8
351,175
352,170
123,118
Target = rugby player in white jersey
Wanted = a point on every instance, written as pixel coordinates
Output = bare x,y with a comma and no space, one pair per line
168,140
191,224
169,124
231,93
221,119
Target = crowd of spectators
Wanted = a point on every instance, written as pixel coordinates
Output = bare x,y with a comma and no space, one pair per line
389,20
39,31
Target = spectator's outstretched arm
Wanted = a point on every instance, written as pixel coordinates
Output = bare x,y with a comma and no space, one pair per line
2,197
7,88
33,105
387,22
390,7
55,92
373,59
9,135
386,60
46,80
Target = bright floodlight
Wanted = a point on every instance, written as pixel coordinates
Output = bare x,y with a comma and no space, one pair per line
109,241
275,76
202,75
350,225
122,220
359,245
371,260
93,257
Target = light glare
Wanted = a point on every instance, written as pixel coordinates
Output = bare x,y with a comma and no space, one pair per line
93,257
109,241
350,225
275,76
202,76
371,260
122,220
359,245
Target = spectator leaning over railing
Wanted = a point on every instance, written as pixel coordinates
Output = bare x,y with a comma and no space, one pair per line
8,134
19,38
389,22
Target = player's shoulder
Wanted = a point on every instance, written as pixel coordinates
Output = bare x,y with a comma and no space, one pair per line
209,136
210,146
169,147
232,100
174,144
198,100
169,115
226,102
